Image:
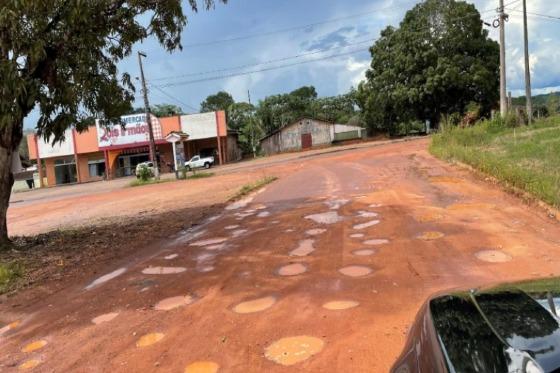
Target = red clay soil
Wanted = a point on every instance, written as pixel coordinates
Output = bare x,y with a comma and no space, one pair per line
439,223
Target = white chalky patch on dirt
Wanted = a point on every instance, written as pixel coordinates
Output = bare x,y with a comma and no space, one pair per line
238,232
367,214
206,269
260,207
105,278
337,203
255,305
304,248
211,241
315,232
363,252
163,270
355,271
233,226
340,305
292,269
330,217
219,246
493,256
263,214
173,302
357,235
241,216
292,350
204,257
289,230
239,204
366,225
171,256
374,205
104,318
376,242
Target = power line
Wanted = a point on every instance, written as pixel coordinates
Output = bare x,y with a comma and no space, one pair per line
173,98
537,14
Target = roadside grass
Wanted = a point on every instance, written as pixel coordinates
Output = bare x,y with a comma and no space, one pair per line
9,274
140,182
248,188
525,157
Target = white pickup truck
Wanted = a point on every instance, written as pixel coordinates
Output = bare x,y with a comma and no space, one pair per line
198,162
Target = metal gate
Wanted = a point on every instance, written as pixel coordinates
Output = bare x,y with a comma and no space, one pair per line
306,141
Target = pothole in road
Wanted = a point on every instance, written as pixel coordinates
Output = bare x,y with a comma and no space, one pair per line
173,302
355,271
292,350
233,226
375,205
104,318
202,367
255,305
219,246
431,235
34,346
493,256
211,241
366,225
367,214
363,252
29,364
292,269
330,217
171,256
238,232
304,248
149,339
105,278
163,270
357,235
315,231
337,203
263,214
376,242
9,327
340,305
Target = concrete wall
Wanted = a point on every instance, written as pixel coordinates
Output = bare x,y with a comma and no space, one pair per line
289,137
83,166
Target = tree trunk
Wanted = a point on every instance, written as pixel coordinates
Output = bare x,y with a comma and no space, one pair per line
10,137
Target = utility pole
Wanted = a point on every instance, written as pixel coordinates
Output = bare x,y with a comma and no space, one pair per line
503,97
153,157
529,100
252,122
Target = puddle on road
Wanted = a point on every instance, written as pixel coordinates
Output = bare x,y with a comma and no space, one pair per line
315,232
289,230
340,305
219,246
255,305
260,206
367,214
292,350
238,232
34,346
210,241
163,270
363,252
104,318
9,327
205,269
366,225
171,256
357,235
337,203
375,205
263,214
149,339
330,217
376,242
202,367
355,271
233,226
29,364
173,302
105,278
239,204
493,256
304,248
292,269
432,235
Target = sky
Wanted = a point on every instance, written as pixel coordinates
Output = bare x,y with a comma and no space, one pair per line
236,46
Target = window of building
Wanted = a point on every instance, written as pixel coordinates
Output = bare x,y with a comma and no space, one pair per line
96,168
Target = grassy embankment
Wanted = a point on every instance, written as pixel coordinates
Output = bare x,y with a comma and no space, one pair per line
527,157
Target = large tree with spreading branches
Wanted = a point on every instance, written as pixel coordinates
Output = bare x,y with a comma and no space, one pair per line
60,57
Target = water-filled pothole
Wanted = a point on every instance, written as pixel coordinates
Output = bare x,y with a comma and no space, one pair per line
368,224
173,302
376,242
292,350
171,256
315,231
357,235
149,339
210,241
367,214
432,235
233,226
263,214
163,270
340,305
255,305
304,248
292,269
202,367
34,346
355,271
105,278
493,256
29,364
330,217
104,318
9,327
363,252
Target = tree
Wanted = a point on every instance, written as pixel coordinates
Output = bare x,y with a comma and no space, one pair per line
435,63
239,114
553,104
160,110
220,101
61,57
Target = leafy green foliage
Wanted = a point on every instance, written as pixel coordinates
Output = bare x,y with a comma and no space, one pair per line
9,273
161,110
144,173
220,101
435,63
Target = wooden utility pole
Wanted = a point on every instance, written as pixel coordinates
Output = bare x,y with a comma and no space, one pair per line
503,97
529,100
153,157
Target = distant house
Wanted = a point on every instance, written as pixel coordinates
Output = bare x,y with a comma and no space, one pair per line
306,133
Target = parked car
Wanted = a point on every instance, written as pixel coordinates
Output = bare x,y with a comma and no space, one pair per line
506,328
148,164
197,162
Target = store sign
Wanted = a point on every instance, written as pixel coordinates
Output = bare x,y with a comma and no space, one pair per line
135,130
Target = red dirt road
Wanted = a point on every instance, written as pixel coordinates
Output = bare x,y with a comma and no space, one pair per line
423,223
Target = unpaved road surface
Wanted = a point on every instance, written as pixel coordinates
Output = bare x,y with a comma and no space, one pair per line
321,272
